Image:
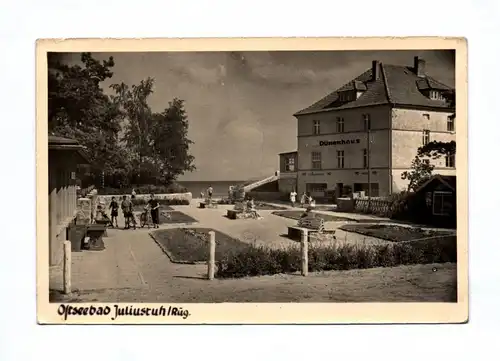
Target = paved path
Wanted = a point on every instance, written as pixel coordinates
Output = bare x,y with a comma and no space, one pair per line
133,268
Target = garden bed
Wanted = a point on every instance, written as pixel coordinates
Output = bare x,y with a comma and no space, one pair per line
297,215
393,233
191,245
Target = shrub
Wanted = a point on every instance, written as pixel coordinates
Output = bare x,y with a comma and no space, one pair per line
164,201
259,261
145,189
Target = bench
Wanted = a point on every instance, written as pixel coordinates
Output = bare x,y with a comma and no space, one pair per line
310,223
208,204
232,214
95,232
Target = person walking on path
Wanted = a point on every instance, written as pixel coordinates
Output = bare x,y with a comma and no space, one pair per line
113,206
293,198
154,206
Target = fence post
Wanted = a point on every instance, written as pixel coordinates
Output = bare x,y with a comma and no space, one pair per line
67,267
211,259
303,248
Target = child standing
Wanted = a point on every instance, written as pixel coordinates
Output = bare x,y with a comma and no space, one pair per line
127,212
113,206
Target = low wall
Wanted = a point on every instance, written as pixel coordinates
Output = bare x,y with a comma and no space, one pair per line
268,196
168,196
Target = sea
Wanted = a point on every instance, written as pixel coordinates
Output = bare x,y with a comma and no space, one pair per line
220,188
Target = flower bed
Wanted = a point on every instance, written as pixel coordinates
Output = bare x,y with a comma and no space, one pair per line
297,215
191,245
392,233
258,260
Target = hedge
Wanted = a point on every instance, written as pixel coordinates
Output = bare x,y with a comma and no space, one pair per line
145,189
259,260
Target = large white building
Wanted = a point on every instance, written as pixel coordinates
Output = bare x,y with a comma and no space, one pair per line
377,121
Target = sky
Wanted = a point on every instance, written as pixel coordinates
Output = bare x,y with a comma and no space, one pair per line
240,105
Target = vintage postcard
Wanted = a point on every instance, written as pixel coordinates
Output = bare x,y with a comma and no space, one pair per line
259,181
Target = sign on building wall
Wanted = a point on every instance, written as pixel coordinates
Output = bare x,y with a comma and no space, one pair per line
324,143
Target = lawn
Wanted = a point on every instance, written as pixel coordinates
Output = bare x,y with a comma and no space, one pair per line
297,214
190,245
392,233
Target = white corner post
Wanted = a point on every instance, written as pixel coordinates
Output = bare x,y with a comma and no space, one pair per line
211,258
67,267
304,247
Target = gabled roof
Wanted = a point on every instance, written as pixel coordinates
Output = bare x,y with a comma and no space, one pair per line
448,180
397,85
67,144
286,153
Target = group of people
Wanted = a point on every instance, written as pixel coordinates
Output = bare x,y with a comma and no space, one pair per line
304,199
127,207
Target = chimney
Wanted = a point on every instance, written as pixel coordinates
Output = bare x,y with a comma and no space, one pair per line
419,66
375,70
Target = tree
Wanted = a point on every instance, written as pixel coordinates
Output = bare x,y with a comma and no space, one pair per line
170,141
437,149
79,109
159,141
421,168
421,171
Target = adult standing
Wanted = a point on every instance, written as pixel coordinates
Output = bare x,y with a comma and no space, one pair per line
210,192
293,198
133,194
154,205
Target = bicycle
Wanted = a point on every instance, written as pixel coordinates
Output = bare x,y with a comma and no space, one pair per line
145,218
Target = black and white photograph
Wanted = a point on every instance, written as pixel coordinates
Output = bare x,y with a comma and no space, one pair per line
250,176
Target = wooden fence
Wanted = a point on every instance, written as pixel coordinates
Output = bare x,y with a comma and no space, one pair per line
377,206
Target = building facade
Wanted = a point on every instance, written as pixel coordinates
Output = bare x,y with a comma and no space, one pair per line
368,132
64,157
287,181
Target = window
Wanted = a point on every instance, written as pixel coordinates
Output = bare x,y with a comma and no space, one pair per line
316,127
426,116
450,160
435,95
426,137
365,158
316,160
340,125
346,96
451,124
367,122
340,159
442,203
316,187
290,164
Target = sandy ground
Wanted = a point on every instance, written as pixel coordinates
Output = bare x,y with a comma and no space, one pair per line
134,269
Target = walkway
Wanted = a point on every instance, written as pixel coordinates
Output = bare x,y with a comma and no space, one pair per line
132,268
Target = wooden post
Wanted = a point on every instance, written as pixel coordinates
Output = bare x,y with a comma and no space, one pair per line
211,259
67,267
303,248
